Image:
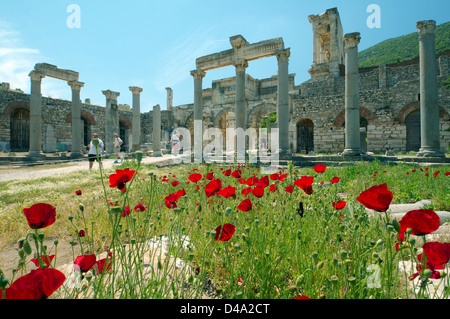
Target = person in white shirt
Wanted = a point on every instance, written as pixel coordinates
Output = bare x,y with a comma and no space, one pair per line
92,155
175,143
117,143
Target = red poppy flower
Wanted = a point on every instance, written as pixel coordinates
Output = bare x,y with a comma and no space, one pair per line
81,233
78,192
228,191
335,180
421,221
224,233
377,197
289,188
181,192
305,183
241,180
245,205
171,200
100,265
195,177
140,207
303,297
258,191
120,178
339,204
437,256
272,188
85,262
436,173
40,215
209,176
227,172
263,181
281,177
175,183
126,211
46,259
38,284
319,168
237,174
447,174
213,187
246,191
414,170
274,176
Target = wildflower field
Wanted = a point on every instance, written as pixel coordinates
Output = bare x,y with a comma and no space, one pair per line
230,231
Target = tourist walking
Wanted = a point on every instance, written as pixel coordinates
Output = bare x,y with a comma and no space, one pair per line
117,143
93,150
175,143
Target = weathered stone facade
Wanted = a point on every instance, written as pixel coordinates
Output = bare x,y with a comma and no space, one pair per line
389,102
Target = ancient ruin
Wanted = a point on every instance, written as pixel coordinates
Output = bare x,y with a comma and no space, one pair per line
342,110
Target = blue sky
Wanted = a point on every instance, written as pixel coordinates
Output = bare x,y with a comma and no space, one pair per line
154,44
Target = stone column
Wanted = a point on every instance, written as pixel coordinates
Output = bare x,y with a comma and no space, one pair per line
429,106
157,131
136,120
283,103
169,99
198,114
352,134
35,114
76,118
112,120
240,107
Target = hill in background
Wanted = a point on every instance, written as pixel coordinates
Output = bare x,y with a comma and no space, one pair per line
402,48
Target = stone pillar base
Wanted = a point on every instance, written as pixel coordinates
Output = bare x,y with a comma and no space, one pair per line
352,152
37,154
157,154
283,154
75,155
430,152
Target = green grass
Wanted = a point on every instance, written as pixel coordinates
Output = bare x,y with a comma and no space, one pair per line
274,253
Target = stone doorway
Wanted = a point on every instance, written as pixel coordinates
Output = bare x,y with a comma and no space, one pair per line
20,130
123,136
305,136
412,123
363,133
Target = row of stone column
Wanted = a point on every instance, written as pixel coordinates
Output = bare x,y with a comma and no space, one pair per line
429,106
112,119
241,103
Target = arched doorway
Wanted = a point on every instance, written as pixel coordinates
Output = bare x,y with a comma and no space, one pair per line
412,122
363,133
123,136
86,131
305,135
20,130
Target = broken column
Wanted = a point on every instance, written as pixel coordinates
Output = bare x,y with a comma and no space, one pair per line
198,114
157,131
169,99
76,118
352,134
429,106
112,120
136,121
35,113
283,103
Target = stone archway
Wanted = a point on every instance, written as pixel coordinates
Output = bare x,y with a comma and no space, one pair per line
257,114
125,128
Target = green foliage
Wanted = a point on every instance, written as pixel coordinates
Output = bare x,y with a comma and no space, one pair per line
402,48
446,83
272,118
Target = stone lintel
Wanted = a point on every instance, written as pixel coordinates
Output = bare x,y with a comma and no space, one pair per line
136,89
246,52
55,72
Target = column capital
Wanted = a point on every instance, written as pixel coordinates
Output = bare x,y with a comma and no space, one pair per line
135,89
198,74
426,27
111,94
351,40
36,76
75,85
240,65
283,55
